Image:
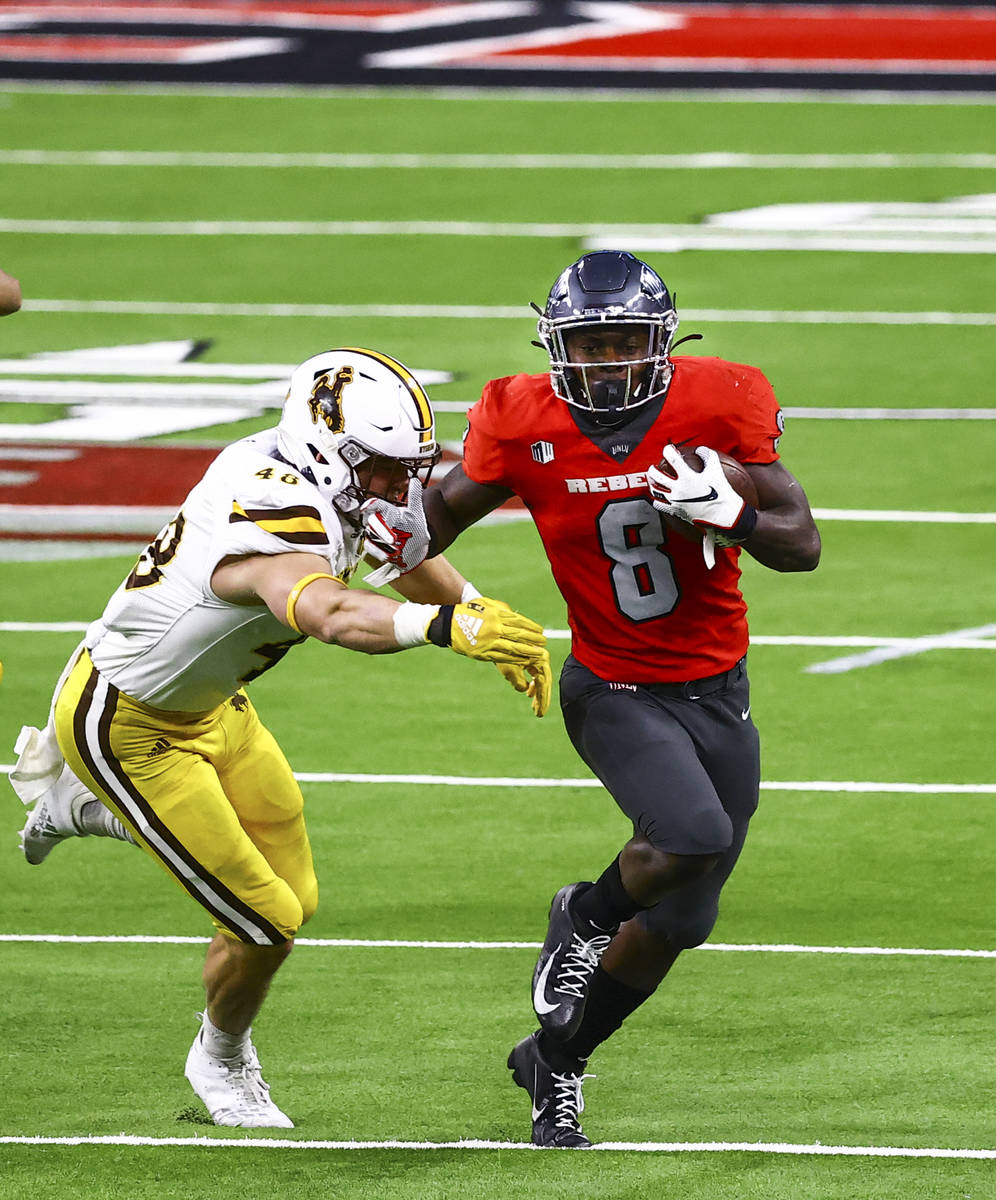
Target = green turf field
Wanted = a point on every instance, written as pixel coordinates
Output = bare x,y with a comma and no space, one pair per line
833,1009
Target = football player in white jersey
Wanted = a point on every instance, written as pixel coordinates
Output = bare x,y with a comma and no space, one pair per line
151,735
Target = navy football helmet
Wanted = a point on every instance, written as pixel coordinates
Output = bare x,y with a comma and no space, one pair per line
609,288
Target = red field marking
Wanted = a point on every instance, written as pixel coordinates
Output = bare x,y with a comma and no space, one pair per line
113,475
784,34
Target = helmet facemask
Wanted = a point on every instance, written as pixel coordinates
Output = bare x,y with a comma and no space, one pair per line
380,476
612,386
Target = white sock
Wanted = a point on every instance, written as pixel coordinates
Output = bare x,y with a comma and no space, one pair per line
95,818
220,1044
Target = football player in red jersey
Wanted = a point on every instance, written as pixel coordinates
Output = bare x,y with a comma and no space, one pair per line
654,692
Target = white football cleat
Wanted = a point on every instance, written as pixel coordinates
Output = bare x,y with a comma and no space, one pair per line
55,817
234,1093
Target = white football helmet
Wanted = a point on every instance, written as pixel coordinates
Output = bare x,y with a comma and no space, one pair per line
357,424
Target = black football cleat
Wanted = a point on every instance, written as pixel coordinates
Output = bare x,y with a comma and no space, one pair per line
556,1098
565,966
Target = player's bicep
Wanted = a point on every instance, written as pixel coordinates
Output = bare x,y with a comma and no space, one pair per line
777,487
267,579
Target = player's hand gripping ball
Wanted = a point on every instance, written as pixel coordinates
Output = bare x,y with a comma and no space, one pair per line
695,492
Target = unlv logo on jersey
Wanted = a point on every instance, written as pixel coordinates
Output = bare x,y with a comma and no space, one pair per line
326,399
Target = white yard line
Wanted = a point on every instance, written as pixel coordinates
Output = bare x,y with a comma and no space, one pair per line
968,643
670,238
621,96
903,649
904,516
421,944
859,787
122,519
483,312
666,238
714,160
246,1142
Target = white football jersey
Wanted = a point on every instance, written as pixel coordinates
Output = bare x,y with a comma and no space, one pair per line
165,638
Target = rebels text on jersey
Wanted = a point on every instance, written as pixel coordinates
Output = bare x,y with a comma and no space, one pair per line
642,606
165,638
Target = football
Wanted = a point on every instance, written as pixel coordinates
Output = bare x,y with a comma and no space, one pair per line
736,474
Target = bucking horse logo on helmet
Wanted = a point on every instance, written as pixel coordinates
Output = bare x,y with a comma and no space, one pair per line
326,398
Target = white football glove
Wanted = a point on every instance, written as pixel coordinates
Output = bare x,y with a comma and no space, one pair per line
396,537
703,497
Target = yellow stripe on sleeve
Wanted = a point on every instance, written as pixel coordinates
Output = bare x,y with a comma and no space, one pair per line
299,524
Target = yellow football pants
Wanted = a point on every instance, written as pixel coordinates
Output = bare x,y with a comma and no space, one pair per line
209,795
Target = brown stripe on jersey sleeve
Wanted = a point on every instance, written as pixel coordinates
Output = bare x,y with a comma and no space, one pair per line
299,524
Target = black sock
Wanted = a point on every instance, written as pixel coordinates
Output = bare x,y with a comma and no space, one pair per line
606,903
609,1003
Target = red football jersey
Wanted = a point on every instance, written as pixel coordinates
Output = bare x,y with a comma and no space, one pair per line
641,604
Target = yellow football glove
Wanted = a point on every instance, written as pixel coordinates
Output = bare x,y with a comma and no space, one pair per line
539,688
487,630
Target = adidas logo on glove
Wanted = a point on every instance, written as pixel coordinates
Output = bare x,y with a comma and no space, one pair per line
470,627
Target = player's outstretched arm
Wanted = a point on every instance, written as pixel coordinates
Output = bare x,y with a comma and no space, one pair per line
435,581
300,592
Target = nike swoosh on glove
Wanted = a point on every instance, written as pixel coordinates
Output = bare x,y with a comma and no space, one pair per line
396,537
705,498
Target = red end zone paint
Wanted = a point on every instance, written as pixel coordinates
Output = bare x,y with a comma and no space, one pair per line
783,34
71,492
125,481
118,475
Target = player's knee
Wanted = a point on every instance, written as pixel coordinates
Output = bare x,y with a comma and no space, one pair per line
290,917
705,831
683,869
682,931
708,833
299,899
693,932
664,869
282,950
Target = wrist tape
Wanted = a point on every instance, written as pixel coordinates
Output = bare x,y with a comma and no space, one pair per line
411,622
